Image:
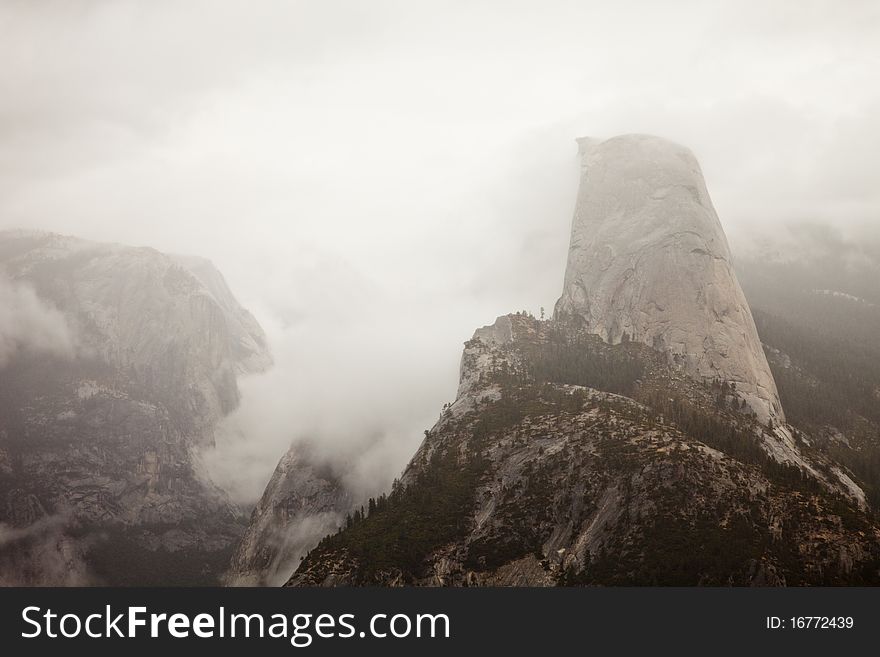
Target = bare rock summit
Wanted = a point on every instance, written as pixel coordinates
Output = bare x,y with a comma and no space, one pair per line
649,262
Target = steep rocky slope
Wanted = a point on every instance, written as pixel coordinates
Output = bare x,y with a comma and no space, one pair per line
535,476
819,317
304,499
649,262
97,440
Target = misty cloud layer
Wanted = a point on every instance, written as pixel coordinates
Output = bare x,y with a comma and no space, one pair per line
41,555
29,325
376,180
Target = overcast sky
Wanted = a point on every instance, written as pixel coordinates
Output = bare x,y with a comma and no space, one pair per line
377,179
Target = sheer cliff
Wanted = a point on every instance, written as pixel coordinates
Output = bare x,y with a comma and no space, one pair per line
649,262
99,424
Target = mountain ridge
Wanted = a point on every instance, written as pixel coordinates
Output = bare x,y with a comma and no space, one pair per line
636,438
98,444
551,481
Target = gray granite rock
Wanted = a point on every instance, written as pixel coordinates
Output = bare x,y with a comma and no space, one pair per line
304,501
100,437
649,262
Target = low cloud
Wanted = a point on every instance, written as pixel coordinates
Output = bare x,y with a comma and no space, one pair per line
46,525
348,389
41,554
29,325
290,545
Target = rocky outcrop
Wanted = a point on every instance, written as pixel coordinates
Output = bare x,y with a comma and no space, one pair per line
103,433
535,477
649,262
304,501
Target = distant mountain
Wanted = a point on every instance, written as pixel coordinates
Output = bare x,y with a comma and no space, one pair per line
305,499
818,311
136,362
637,438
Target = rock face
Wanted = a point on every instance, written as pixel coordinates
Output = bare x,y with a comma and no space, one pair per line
649,262
99,421
303,502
